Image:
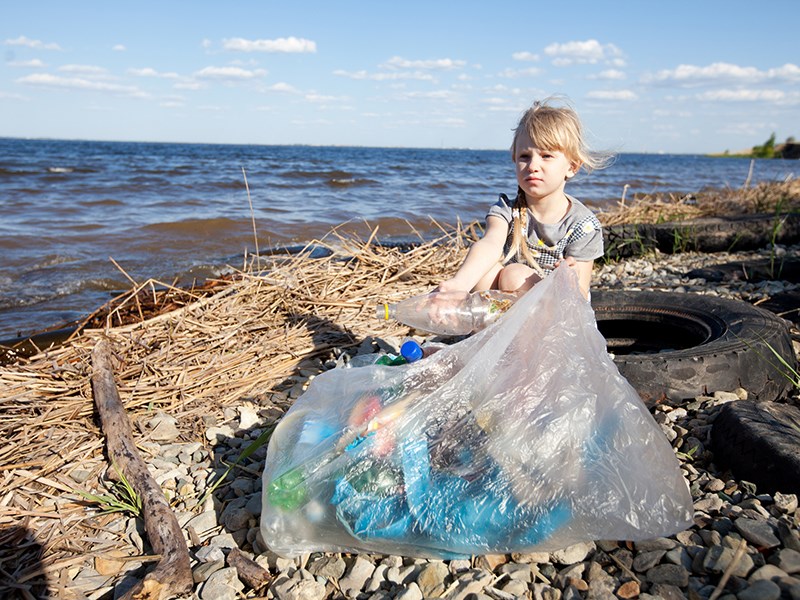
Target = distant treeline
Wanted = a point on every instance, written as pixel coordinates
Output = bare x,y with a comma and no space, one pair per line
769,149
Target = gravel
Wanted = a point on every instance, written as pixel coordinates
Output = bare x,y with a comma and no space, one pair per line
748,538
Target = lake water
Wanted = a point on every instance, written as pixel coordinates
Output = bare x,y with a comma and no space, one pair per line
181,211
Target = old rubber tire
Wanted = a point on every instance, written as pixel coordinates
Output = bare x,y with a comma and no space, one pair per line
680,346
760,443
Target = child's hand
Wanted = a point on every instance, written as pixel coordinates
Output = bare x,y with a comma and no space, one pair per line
450,285
570,260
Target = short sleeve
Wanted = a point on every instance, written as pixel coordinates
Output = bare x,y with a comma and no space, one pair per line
586,240
502,209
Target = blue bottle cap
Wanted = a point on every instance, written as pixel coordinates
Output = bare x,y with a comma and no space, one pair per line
411,351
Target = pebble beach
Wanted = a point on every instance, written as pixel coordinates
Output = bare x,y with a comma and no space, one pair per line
744,544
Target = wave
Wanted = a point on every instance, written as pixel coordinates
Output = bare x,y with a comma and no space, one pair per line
328,175
216,225
351,182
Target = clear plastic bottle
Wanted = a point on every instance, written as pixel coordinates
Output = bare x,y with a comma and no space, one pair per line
449,313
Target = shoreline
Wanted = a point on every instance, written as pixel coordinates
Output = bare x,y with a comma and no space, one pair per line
190,423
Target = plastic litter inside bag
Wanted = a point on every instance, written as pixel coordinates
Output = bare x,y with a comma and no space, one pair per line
522,437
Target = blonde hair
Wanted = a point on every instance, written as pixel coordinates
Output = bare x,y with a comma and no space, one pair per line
550,127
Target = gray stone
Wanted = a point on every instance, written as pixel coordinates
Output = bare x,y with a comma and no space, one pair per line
768,572
515,588
785,503
203,523
254,505
402,575
516,571
469,582
531,557
432,578
571,593
573,554
666,591
222,585
647,560
305,589
204,570
357,576
790,536
329,567
573,572
670,574
376,579
718,559
410,592
759,533
787,560
209,554
762,589
235,516
543,591
679,556
655,544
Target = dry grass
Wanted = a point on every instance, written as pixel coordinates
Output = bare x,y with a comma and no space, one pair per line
663,208
246,342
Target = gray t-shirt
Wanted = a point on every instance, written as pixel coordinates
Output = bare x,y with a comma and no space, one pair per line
579,234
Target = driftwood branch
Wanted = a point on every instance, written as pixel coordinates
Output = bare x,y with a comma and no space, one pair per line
172,575
249,571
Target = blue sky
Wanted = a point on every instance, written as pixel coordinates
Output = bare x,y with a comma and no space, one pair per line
702,76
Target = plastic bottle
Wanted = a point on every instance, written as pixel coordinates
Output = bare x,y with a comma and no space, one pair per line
449,313
410,352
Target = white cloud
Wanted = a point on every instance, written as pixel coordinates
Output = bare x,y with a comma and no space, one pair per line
119,48
609,74
625,95
776,96
516,73
36,44
27,64
393,76
321,99
589,51
693,75
283,88
150,72
85,71
434,95
290,44
526,56
80,84
397,62
229,73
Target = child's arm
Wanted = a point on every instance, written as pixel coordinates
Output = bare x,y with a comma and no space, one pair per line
483,257
583,269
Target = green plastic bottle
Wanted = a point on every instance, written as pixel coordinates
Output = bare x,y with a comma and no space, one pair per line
289,491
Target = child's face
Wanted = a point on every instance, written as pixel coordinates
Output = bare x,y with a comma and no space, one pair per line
541,173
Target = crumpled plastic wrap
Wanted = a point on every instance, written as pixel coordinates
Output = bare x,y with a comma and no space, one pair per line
522,437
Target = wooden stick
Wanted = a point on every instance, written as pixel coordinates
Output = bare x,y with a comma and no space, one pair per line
249,571
172,575
737,556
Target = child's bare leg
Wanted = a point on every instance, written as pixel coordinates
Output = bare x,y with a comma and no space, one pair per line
517,277
488,281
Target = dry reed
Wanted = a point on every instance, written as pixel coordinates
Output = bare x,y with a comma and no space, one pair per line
246,343
769,197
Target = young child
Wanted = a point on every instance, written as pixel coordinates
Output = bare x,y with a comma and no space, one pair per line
528,237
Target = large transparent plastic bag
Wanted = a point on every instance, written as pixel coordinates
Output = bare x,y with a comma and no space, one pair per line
522,437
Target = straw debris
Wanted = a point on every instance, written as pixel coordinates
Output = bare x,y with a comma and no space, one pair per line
248,342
